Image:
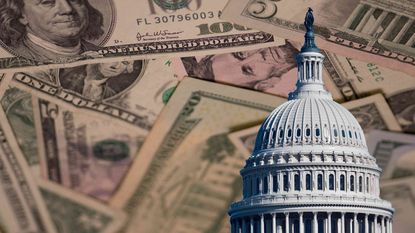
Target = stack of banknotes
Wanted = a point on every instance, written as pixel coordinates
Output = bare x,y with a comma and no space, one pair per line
137,116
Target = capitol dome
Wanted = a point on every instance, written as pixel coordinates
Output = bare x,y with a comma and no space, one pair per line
310,170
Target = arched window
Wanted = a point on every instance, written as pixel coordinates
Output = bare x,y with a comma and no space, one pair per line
297,183
335,132
360,184
320,182
257,186
342,183
286,185
308,132
308,182
318,132
275,183
367,184
265,185
298,132
352,183
331,182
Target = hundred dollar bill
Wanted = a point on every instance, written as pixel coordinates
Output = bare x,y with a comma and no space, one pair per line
83,152
73,212
133,91
269,69
22,207
17,105
354,79
45,33
372,31
187,172
395,153
401,193
372,113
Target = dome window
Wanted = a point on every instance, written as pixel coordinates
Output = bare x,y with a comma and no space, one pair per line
297,182
343,133
265,185
289,133
308,132
352,183
257,186
308,182
342,183
320,182
367,184
350,134
286,185
318,132
281,133
275,183
335,133
331,182
360,184
298,132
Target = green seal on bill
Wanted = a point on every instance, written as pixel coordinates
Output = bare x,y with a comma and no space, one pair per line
111,150
172,4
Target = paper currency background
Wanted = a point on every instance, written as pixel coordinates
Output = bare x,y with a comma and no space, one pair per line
136,116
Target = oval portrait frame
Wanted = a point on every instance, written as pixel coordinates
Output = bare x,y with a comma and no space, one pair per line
105,7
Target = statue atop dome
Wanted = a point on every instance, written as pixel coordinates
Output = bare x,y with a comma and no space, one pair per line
309,20
309,45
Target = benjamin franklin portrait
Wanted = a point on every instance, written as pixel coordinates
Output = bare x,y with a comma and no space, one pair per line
51,30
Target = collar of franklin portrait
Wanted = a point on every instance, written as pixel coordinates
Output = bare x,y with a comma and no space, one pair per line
68,51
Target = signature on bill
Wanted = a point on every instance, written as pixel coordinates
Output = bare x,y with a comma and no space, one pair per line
158,35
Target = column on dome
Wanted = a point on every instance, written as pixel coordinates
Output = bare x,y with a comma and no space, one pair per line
378,21
403,30
305,69
301,222
287,222
329,222
237,226
270,183
376,224
315,223
260,184
355,223
383,224
338,225
310,70
391,26
352,17
365,18
243,225
274,223
390,225
262,227
366,223
343,223
279,225
251,225
320,71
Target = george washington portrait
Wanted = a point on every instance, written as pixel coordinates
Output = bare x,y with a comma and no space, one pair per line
52,30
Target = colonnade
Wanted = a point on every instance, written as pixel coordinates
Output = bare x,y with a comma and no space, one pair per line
358,26
312,222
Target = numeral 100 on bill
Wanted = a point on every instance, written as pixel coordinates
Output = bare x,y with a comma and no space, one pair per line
220,27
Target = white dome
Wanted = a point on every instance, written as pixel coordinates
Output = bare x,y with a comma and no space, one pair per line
309,121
